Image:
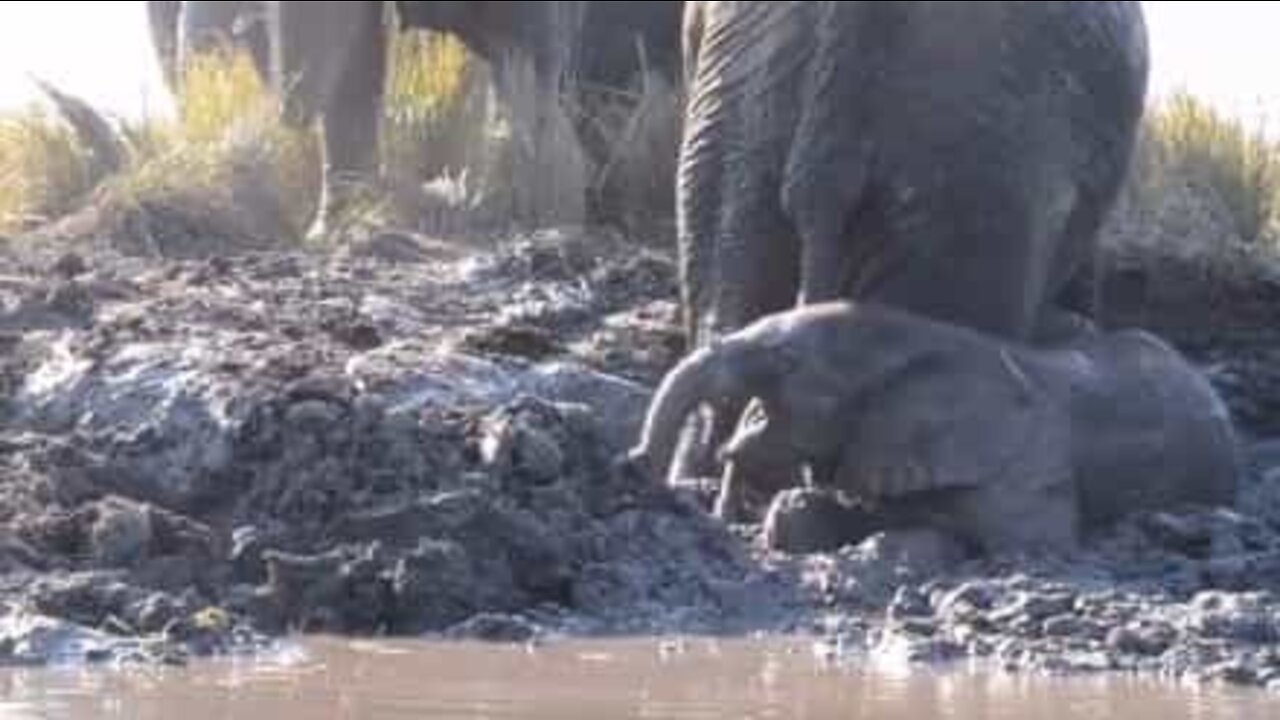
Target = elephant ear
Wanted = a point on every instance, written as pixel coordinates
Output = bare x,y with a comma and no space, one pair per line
957,423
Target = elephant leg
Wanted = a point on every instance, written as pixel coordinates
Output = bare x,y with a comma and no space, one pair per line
823,208
1074,311
947,256
350,122
759,462
694,455
165,17
212,26
209,26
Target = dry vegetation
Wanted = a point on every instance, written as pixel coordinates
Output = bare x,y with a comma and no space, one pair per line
450,160
1233,166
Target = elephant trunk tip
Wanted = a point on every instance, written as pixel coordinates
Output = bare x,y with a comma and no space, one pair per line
710,375
636,466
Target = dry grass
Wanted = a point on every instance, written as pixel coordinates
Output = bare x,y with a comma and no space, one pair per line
224,138
228,144
1190,144
44,172
453,158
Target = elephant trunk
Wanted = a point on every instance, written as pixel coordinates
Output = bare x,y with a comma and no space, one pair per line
723,370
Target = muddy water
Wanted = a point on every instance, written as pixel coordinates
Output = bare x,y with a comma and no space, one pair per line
694,679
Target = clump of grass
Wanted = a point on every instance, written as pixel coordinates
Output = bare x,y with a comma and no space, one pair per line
457,159
1188,141
428,73
436,121
227,146
44,172
226,134
225,149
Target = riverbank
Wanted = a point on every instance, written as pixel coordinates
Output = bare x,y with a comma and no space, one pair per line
415,437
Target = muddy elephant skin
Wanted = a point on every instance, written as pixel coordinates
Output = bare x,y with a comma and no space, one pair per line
952,159
1002,443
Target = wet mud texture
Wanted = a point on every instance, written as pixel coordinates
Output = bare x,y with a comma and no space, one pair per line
416,437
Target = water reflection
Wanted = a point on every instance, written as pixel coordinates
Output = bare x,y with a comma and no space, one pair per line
690,679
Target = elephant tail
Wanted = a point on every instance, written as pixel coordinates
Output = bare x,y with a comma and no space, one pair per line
725,369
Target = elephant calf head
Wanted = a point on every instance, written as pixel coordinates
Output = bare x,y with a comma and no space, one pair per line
1000,443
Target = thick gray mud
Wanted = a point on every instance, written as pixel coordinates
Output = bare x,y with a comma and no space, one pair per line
416,438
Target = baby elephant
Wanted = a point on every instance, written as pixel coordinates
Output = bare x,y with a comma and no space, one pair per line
1002,444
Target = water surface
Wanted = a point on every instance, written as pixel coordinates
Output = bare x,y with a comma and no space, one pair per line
703,679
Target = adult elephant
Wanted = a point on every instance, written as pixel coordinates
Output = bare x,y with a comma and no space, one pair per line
331,62
953,159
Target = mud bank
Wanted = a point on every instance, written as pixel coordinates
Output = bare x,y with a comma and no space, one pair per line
412,438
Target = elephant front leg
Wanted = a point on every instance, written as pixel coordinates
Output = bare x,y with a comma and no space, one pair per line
350,169
821,202
760,461
822,264
165,17
350,125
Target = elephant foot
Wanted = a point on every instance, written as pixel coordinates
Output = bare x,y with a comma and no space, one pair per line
730,505
343,202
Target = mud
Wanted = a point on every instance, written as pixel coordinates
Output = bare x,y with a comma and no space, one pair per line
415,437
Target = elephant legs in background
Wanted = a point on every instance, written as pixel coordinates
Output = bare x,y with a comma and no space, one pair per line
164,16
211,26
350,125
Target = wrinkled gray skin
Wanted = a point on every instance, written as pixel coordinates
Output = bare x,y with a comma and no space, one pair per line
1003,444
953,159
181,29
332,59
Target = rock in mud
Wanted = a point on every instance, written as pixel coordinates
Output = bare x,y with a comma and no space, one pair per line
1251,618
914,644
27,639
1142,638
434,587
494,628
122,533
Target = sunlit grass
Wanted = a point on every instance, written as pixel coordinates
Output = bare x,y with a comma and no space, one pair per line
227,125
227,143
43,169
1190,141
